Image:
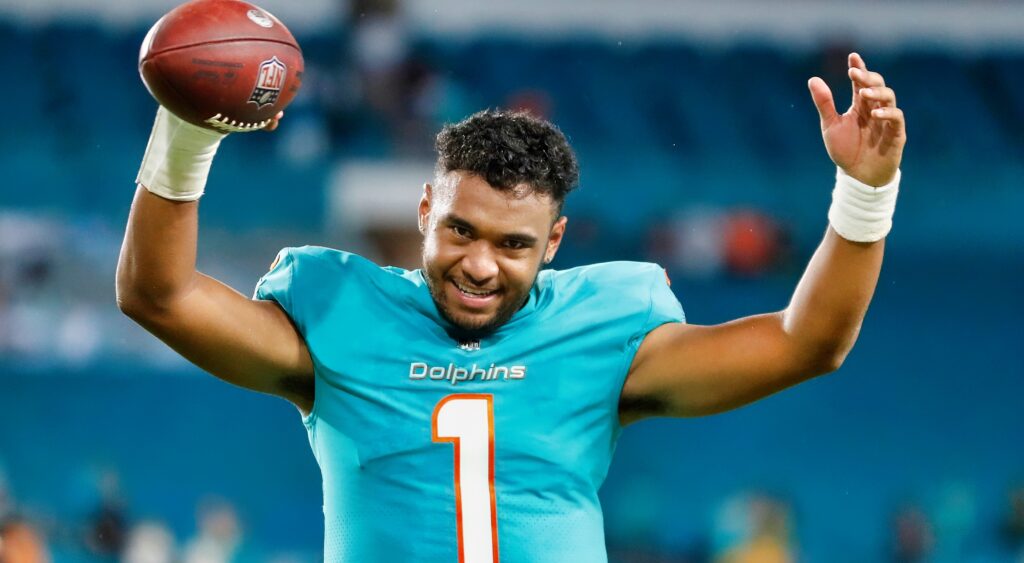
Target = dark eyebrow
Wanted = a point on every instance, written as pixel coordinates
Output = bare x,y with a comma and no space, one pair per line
525,239
459,222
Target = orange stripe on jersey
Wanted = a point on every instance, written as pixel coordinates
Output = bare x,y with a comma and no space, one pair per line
457,446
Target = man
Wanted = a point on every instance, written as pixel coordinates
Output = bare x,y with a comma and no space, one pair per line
468,411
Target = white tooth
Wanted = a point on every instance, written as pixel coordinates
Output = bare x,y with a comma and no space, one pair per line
472,292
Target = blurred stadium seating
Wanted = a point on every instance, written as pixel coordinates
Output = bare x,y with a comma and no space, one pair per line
925,414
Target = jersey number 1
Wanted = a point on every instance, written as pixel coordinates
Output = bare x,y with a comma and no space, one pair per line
467,421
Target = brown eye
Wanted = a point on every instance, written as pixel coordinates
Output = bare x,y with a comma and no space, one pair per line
460,231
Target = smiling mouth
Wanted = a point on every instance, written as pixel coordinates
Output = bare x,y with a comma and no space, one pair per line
473,292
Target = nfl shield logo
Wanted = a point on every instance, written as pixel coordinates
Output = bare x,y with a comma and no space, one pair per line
269,81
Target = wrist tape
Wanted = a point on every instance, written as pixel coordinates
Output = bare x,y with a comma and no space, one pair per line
178,158
862,213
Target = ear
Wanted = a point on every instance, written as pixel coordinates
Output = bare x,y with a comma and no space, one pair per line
424,209
555,239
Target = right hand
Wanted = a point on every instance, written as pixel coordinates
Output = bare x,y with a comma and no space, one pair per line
274,122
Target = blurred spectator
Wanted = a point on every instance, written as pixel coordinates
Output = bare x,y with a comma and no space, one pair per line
954,516
219,535
6,327
79,336
535,102
149,542
6,504
913,537
691,242
704,242
1013,526
754,243
381,40
107,524
754,528
396,86
29,247
21,543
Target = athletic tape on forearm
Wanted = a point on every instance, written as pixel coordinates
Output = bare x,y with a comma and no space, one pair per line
862,213
178,158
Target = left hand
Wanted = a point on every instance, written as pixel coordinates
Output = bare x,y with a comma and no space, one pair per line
867,141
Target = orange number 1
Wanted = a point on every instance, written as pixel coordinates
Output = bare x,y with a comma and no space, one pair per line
467,421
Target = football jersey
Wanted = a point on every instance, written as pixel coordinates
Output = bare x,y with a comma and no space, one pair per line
437,450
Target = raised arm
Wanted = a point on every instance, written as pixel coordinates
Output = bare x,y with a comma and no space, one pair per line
690,370
246,342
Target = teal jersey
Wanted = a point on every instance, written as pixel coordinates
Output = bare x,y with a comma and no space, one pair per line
437,450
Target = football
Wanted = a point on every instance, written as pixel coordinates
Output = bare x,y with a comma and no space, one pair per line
225,65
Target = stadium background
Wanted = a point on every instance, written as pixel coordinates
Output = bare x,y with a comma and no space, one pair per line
700,150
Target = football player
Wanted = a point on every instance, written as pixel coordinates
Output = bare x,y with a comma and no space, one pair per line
468,410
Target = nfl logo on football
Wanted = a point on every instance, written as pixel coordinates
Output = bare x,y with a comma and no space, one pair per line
269,81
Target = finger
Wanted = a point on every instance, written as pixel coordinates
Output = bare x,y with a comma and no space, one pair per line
891,114
859,72
894,133
863,78
881,96
274,122
822,96
856,61
875,79
894,122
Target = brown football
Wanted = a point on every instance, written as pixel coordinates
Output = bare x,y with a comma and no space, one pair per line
222,64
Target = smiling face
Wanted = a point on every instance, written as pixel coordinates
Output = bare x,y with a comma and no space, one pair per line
483,247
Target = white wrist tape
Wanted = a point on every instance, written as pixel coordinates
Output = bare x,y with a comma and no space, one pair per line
862,213
178,158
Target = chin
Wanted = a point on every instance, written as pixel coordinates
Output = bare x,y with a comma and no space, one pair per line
473,324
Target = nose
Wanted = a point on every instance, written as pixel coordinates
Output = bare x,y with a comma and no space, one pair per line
479,264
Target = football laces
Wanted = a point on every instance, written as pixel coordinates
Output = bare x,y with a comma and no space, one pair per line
228,125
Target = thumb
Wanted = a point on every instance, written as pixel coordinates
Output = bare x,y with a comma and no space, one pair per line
822,97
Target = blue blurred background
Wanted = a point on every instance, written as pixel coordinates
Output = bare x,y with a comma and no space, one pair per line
700,150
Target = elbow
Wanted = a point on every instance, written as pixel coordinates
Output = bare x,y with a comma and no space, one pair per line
129,301
826,359
825,353
134,302
148,303
125,288
126,291
138,296
832,363
823,347
145,311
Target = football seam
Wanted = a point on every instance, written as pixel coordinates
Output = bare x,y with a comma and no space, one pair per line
152,53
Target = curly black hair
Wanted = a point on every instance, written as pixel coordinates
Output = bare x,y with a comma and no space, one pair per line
510,149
